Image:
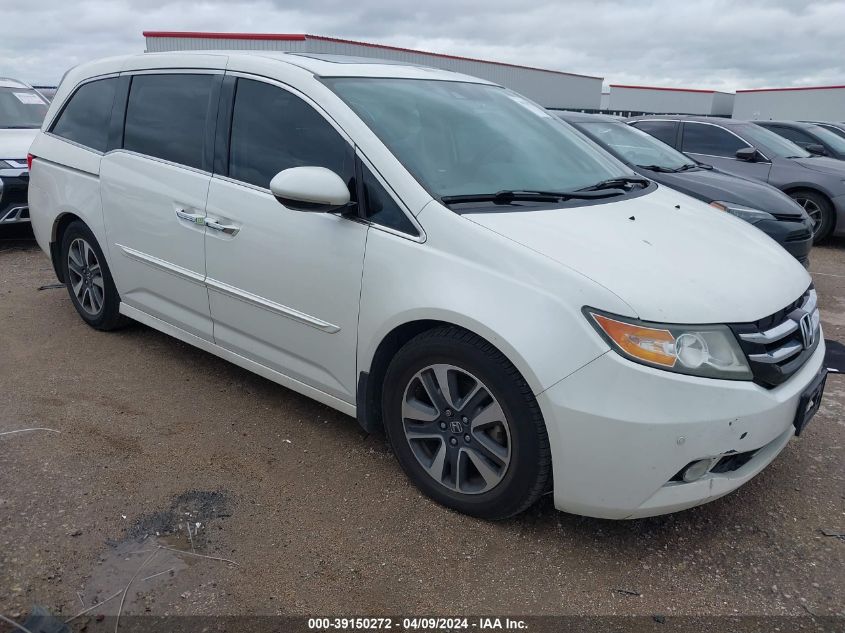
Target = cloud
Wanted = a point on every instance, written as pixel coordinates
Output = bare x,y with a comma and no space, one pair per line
704,44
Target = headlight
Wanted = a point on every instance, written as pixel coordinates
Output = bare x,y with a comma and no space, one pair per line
746,213
4,164
711,351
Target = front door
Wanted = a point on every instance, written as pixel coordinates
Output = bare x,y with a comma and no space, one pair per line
284,285
154,193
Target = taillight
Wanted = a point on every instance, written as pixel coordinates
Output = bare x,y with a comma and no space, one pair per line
29,158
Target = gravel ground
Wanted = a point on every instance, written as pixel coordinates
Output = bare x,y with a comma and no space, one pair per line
157,438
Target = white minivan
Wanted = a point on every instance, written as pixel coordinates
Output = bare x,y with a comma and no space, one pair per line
441,258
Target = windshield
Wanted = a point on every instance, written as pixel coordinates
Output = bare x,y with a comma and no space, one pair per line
829,137
770,143
21,108
635,146
465,138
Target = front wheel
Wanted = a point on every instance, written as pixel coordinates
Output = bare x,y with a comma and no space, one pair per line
465,426
820,211
88,279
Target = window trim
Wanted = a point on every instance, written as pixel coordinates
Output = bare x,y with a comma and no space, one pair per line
721,127
48,128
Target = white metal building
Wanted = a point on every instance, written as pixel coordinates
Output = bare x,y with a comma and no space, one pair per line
550,88
817,103
656,100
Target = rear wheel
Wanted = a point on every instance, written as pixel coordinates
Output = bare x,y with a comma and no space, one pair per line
820,211
88,279
465,426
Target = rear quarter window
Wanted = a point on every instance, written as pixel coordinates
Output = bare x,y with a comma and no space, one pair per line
665,131
86,115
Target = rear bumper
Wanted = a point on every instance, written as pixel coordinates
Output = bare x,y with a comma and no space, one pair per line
620,433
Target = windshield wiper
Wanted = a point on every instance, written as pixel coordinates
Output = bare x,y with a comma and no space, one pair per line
688,166
507,196
617,183
659,168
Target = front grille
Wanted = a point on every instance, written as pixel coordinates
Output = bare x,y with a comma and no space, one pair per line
787,217
778,345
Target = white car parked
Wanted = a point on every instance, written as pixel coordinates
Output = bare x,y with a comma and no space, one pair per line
22,110
441,258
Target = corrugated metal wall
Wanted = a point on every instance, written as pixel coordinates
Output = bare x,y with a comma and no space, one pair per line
550,89
823,104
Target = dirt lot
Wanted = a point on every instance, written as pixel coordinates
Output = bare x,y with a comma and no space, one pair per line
155,435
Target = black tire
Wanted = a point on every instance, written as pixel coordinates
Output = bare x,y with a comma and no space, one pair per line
812,200
106,316
528,473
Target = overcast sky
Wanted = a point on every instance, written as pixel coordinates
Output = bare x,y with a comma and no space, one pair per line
697,43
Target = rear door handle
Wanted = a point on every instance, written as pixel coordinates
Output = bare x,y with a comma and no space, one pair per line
193,218
216,225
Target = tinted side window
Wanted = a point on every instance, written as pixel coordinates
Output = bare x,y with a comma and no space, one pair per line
85,118
167,117
273,130
796,136
665,131
700,138
381,208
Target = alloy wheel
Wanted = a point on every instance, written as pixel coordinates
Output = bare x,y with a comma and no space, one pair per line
86,276
456,429
813,210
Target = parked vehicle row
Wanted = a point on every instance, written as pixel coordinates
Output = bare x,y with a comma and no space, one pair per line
746,149
438,256
22,110
767,208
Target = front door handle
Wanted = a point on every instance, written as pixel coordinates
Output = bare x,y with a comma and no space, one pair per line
216,225
193,218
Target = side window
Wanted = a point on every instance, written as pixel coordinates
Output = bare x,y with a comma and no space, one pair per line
665,131
796,136
273,130
381,208
86,116
167,117
700,138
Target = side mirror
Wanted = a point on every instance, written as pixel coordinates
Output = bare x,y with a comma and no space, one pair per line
816,149
314,189
748,154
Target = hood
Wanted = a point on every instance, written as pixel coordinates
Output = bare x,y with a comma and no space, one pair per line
690,264
710,184
823,164
15,143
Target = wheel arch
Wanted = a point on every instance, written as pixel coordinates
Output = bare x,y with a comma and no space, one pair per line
60,224
373,369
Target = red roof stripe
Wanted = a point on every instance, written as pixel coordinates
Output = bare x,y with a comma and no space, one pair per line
667,89
303,36
796,88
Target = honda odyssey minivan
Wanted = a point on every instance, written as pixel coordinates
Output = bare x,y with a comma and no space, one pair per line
441,258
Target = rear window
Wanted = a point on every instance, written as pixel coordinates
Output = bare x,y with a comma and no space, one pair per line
167,117
86,116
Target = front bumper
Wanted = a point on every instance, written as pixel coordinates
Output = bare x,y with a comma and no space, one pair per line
14,207
795,237
619,432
